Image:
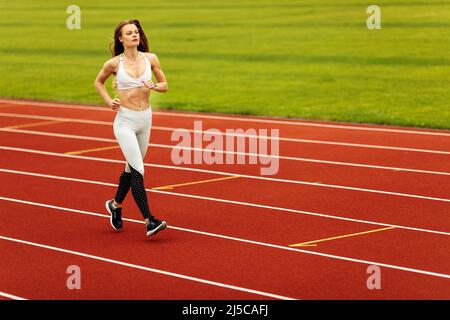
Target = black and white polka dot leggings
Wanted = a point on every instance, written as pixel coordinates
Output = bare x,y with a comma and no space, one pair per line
132,131
135,181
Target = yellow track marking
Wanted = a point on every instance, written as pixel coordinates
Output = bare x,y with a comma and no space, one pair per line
91,150
313,243
191,183
33,124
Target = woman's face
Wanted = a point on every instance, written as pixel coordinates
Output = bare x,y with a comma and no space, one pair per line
130,35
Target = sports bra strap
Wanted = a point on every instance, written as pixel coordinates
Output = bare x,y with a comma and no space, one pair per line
121,56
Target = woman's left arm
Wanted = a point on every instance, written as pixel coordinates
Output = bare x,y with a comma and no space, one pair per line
161,84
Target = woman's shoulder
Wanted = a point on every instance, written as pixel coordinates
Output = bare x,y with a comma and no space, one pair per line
114,60
112,63
152,57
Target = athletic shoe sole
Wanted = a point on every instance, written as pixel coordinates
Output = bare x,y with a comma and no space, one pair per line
110,215
162,226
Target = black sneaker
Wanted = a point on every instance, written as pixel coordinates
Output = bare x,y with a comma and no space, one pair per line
155,226
116,215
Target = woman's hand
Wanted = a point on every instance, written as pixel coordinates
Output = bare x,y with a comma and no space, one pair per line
114,104
149,84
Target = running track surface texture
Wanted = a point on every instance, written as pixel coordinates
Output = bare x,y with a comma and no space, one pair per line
346,198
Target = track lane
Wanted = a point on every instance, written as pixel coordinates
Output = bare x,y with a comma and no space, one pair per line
380,157
99,279
371,207
349,246
431,185
286,228
170,119
217,258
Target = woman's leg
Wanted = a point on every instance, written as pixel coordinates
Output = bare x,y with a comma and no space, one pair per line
114,207
129,145
143,138
133,137
139,194
123,188
120,126
140,197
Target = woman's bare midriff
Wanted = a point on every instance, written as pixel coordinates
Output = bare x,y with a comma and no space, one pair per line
137,99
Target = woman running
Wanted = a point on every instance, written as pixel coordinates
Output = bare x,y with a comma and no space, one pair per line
132,65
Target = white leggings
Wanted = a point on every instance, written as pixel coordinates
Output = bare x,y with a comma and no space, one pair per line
132,131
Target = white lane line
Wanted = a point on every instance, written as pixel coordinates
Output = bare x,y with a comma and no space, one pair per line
10,296
170,129
240,175
300,212
229,118
307,124
225,173
36,117
248,204
258,243
70,136
153,270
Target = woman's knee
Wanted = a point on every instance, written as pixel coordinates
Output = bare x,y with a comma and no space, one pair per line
137,168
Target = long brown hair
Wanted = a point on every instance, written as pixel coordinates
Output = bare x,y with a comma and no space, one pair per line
116,47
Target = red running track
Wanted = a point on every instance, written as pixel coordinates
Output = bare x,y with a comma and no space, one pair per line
233,232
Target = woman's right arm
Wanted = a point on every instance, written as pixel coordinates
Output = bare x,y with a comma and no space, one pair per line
103,75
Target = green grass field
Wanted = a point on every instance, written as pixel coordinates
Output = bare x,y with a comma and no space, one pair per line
291,58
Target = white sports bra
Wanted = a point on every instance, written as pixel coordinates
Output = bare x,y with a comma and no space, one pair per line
125,81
